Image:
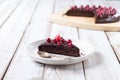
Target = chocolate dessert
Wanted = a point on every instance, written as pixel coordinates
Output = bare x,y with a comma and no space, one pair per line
106,15
101,14
59,46
81,11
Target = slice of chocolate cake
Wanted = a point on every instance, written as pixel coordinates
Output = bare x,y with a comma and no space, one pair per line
101,14
59,46
106,15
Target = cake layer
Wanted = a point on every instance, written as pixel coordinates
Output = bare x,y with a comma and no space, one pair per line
107,20
59,49
79,13
59,45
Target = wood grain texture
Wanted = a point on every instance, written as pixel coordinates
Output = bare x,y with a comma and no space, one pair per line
103,65
114,37
29,22
70,72
115,42
22,66
7,7
12,32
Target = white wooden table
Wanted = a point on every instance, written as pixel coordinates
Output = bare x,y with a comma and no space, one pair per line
25,21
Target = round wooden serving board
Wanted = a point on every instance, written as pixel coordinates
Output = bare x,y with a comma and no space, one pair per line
83,22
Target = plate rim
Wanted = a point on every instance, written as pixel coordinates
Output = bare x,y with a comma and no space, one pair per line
38,58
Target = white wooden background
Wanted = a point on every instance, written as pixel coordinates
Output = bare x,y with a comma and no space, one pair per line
25,21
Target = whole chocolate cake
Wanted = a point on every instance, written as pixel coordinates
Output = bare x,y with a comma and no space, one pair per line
59,46
101,14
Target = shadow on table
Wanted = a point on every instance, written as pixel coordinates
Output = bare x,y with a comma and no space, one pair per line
93,60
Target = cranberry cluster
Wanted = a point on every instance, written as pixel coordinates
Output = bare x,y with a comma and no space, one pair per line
99,11
60,40
105,12
84,8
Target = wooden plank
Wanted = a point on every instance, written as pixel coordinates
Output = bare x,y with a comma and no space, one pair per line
7,7
22,66
12,32
70,72
103,65
114,37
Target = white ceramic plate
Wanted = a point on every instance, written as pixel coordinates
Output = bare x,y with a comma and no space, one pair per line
85,48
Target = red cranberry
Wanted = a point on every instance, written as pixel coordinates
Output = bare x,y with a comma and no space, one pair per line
58,37
81,7
48,40
69,41
93,6
70,44
98,13
74,7
87,7
113,11
99,6
62,40
55,41
58,43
